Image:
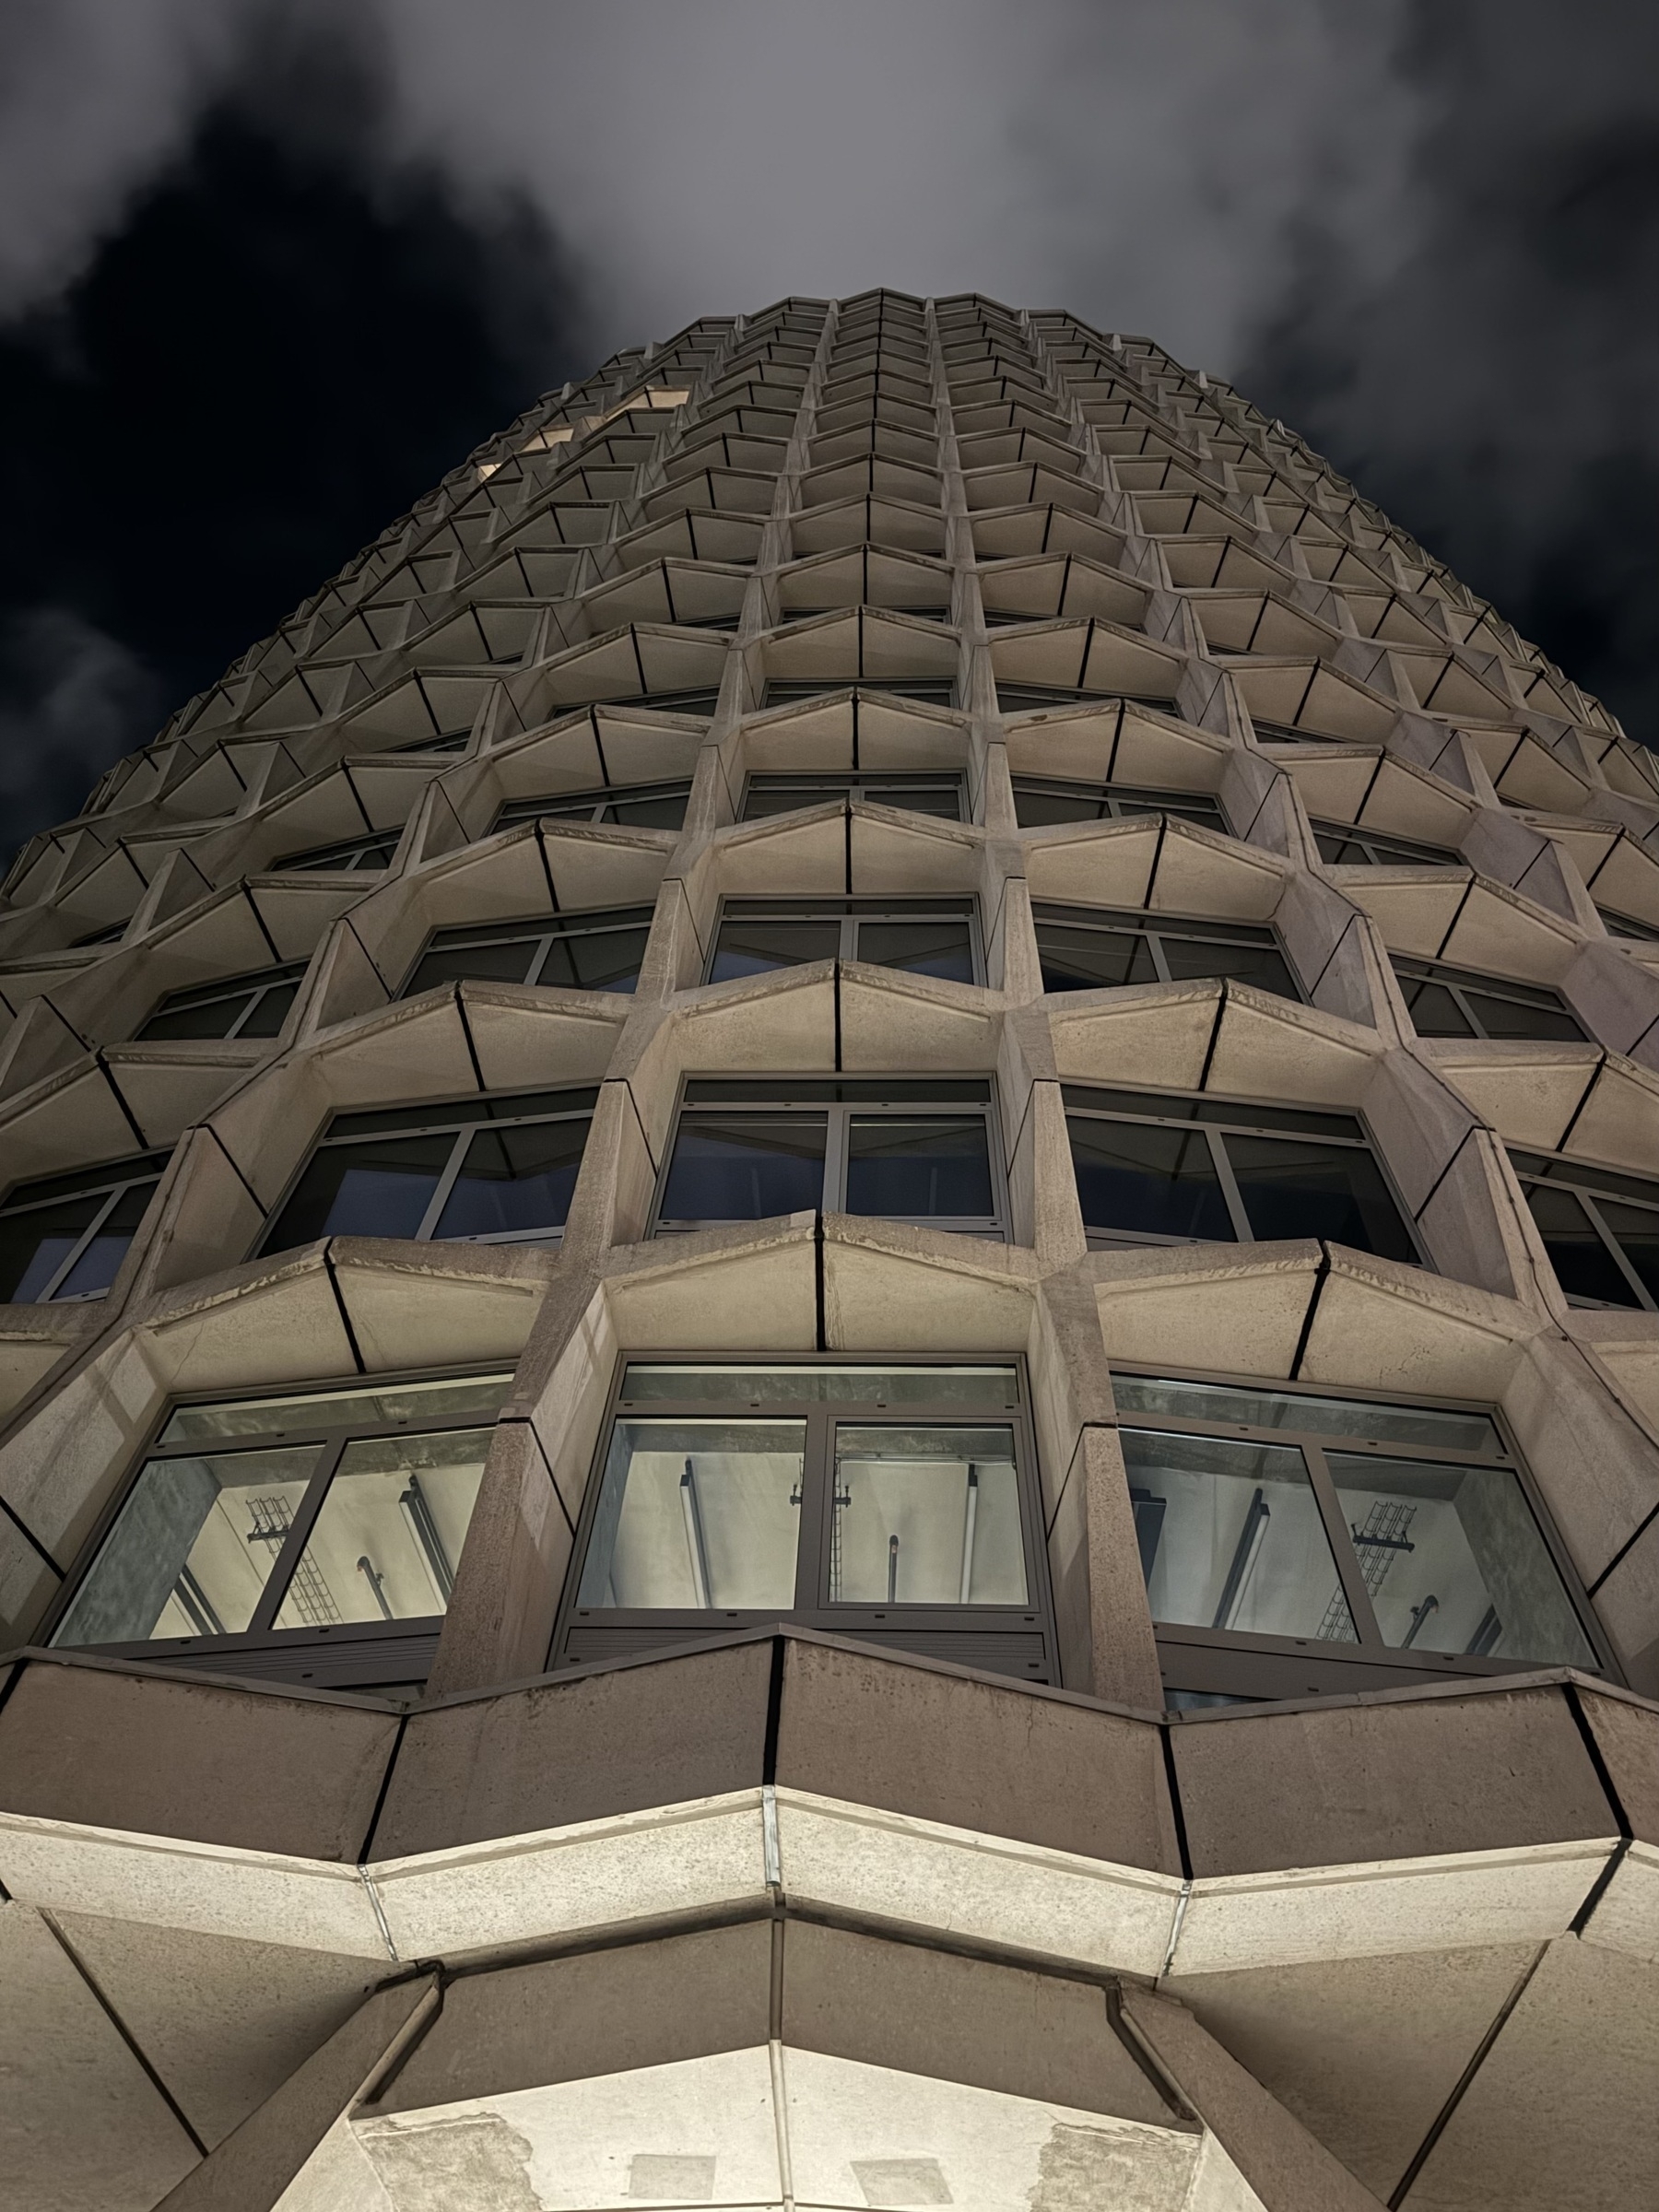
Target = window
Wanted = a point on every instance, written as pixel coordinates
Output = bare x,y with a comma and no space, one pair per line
1021,699
920,792
903,1148
894,1503
1093,948
65,1236
1292,1542
1451,1002
489,1171
1616,925
313,1537
630,806
1039,800
923,936
934,691
1346,845
373,849
1162,1168
1600,1229
600,950
240,1005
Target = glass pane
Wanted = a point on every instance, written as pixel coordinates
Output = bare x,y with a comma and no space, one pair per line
1508,1018
1093,960
1292,1188
757,947
964,1386
925,1517
1583,1265
272,1011
905,1169
1454,1561
97,1267
512,1180
746,1167
1637,1229
762,799
1434,1012
1339,852
942,949
193,1549
34,1245
379,1188
1431,1428
698,1515
353,1406
211,1018
659,810
386,1543
1260,965
603,960
1035,808
1150,1181
944,800
1230,1537
499,963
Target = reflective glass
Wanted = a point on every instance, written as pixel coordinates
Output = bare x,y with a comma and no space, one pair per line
1093,959
207,1018
1637,1229
515,1180
1583,1265
379,1188
1431,1428
757,947
745,1167
508,961
97,1265
941,949
783,1384
926,1517
1434,1012
1454,1561
602,959
351,1406
903,1169
1293,1188
1148,1180
1510,1018
1230,1537
696,1515
272,1011
657,811
1190,958
193,1549
386,1542
34,1245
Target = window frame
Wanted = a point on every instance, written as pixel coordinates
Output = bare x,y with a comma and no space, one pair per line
895,910
550,806
315,860
1153,925
1225,1176
545,931
1417,853
1454,981
141,1168
440,1125
1240,1663
849,784
838,1115
1583,1184
896,1626
1119,802
255,985
267,1645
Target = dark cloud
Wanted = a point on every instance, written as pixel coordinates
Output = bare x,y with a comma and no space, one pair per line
1486,364
293,331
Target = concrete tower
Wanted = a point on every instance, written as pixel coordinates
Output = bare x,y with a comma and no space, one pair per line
832,1364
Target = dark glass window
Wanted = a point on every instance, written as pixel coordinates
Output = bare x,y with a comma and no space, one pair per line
1164,1168
1346,845
1600,1229
1292,1542
923,936
1023,698
631,805
1094,948
489,1171
64,1237
921,792
894,1503
935,690
373,849
240,1005
1039,800
597,950
1617,925
907,1148
313,1537
1452,1002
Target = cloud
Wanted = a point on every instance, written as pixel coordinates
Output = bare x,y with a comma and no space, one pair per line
70,698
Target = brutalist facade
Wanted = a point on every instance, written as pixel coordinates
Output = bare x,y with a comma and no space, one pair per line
832,1363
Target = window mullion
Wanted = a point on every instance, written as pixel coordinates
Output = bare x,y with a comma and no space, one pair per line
1154,947
1229,1189
71,1260
542,953
1463,1007
242,1020
837,1137
812,1533
446,1180
298,1536
1349,1572
1643,1295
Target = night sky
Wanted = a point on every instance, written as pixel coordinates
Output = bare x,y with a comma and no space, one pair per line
268,272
